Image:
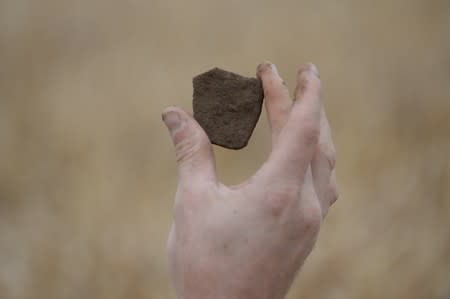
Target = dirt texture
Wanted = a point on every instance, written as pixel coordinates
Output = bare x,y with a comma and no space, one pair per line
227,106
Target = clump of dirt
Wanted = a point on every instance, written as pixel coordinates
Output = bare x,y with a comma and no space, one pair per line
227,106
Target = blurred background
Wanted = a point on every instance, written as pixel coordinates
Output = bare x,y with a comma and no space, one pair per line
87,174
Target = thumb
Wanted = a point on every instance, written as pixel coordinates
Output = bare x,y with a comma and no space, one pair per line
193,150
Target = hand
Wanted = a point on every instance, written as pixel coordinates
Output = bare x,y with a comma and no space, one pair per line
249,241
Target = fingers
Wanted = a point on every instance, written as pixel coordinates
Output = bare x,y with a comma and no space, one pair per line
298,139
193,149
323,165
276,95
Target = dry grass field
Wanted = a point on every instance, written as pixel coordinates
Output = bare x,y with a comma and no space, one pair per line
87,174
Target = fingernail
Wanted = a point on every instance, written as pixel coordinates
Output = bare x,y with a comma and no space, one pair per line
314,69
274,68
309,67
263,67
172,120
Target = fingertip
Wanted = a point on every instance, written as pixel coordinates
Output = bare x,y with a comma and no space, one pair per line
175,109
184,115
172,118
265,67
267,72
177,120
307,80
276,97
170,109
308,67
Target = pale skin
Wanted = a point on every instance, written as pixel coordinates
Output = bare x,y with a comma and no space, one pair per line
250,240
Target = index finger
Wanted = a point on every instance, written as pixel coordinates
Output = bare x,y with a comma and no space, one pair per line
296,144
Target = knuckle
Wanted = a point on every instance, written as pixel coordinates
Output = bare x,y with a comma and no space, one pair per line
329,153
307,223
311,132
188,145
331,158
267,89
312,219
184,153
333,193
277,201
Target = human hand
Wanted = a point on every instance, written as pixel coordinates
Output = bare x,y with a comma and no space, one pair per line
249,241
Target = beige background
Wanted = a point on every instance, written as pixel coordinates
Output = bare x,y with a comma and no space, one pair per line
87,174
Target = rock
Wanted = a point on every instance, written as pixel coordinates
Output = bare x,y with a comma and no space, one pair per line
227,106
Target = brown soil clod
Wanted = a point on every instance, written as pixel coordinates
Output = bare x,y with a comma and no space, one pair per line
227,106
